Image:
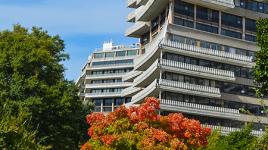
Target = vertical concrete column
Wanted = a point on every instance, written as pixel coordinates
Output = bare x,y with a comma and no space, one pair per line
102,105
171,12
195,16
219,22
113,105
244,27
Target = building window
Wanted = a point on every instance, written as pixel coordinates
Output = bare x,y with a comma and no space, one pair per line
107,102
132,52
207,28
231,20
250,38
250,25
207,14
184,8
109,54
231,33
98,55
184,22
120,53
97,102
119,101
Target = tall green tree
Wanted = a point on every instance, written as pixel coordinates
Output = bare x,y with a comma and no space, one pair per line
261,68
32,75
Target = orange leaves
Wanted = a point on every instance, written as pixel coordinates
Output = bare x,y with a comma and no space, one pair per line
143,127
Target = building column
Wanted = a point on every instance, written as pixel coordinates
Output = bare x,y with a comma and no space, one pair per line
102,105
171,12
194,16
113,105
219,22
244,28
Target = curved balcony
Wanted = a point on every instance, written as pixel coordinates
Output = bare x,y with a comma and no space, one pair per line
109,66
132,3
108,85
196,70
206,53
192,108
142,2
104,76
151,10
130,91
227,130
138,29
152,51
130,75
191,89
103,95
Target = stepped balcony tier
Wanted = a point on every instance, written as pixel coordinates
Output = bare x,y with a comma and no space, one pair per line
153,72
109,66
104,76
192,108
130,75
110,85
138,29
130,91
132,3
103,95
227,130
215,55
151,9
175,86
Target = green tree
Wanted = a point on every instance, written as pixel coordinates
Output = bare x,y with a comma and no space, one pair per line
31,74
261,68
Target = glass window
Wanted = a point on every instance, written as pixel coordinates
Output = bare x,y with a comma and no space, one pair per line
183,22
184,8
154,24
207,14
207,28
97,102
231,20
128,99
119,101
231,33
107,109
109,54
250,38
98,55
132,52
250,25
120,53
107,102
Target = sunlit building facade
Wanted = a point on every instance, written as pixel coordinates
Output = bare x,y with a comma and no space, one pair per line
197,58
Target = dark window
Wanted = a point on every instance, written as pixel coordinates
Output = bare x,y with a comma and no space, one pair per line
98,55
231,20
107,102
154,24
121,53
231,33
97,102
207,28
184,8
207,14
250,38
250,25
119,101
184,22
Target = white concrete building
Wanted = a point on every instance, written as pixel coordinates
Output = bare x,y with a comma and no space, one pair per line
101,78
197,58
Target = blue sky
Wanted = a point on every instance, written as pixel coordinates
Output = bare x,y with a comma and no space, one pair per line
83,24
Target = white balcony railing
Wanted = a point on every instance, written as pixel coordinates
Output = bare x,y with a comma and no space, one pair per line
198,106
191,87
108,85
104,94
197,68
105,75
112,65
227,3
206,51
227,130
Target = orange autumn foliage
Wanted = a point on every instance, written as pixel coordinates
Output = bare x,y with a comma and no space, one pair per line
142,128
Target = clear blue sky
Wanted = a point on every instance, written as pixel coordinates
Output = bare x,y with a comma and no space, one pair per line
82,24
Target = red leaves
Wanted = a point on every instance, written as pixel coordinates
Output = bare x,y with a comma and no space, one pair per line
147,127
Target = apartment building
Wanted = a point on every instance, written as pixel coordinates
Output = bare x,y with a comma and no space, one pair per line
197,58
101,78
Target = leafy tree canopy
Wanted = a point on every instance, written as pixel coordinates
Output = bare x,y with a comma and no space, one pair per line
32,76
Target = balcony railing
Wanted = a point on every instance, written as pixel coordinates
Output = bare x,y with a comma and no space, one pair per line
104,75
197,68
105,94
191,87
227,130
198,106
106,85
206,51
112,65
228,3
